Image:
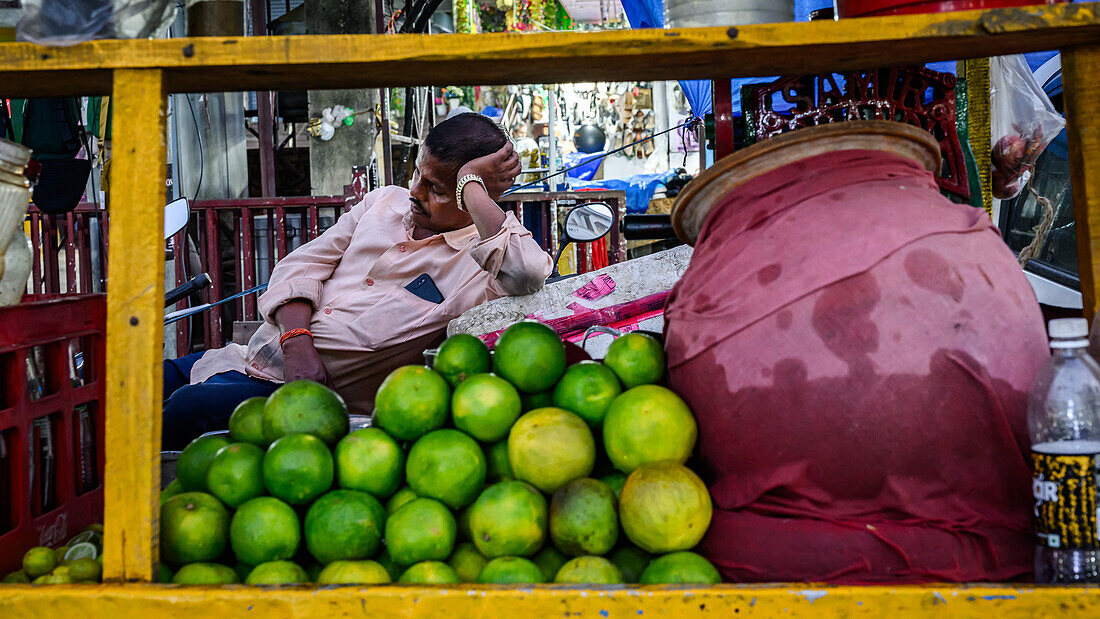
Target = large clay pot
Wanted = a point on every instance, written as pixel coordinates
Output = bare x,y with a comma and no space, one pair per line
858,351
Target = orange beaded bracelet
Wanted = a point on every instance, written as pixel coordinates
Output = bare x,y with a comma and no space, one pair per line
294,333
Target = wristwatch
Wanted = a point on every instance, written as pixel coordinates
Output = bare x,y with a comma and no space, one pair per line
462,185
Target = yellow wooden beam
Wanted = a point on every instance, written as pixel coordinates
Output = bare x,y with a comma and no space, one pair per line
1080,68
368,61
977,90
382,602
135,316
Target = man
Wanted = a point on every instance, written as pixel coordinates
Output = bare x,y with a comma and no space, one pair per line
376,289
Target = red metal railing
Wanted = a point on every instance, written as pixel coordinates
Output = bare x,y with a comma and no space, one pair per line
238,242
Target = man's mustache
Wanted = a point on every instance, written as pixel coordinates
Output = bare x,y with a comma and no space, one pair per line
417,204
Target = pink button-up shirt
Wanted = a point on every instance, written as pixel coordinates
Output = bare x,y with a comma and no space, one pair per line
365,323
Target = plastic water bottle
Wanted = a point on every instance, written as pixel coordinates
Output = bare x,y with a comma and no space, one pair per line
1064,420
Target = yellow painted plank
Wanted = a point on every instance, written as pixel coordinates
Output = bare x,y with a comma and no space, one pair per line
977,86
135,316
1080,68
383,602
367,61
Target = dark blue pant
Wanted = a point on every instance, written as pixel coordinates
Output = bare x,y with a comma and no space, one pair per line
191,410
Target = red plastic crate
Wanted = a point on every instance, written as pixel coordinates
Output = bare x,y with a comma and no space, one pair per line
52,377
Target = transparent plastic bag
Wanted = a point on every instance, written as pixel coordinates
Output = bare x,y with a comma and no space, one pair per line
1022,121
68,22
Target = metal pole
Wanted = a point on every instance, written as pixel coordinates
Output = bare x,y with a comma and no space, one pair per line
552,151
265,113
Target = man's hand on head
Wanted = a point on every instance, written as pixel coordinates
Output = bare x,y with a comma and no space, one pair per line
499,170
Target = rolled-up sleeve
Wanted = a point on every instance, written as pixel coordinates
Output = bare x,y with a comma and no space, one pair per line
513,259
301,273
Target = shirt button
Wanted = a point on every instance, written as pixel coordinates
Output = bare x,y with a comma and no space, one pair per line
328,310
402,248
370,282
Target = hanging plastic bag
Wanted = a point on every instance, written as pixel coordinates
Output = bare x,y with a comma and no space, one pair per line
68,22
1022,121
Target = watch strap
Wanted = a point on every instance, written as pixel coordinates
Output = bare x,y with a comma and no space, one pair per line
469,178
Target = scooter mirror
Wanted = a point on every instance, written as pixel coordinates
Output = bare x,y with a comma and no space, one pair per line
588,222
176,215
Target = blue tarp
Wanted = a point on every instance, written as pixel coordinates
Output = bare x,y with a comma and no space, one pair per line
586,171
639,188
651,14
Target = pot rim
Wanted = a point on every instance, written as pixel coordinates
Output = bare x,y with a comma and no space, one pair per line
698,197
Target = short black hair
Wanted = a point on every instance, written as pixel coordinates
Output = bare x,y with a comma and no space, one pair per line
464,137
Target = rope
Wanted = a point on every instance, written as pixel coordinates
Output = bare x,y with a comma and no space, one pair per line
1041,231
692,121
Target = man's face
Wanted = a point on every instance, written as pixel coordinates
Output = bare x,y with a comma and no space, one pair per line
433,196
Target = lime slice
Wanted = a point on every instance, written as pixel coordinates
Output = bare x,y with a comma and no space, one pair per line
83,550
83,537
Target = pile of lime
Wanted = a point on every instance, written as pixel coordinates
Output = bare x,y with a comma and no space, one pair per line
507,467
79,560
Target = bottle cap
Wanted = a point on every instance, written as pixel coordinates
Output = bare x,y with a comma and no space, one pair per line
1068,328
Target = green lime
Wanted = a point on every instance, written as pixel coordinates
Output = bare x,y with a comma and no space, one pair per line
485,406
550,447
371,461
539,399
18,577
467,562
648,424
298,468
587,390
39,561
194,527
53,579
60,552
164,573
430,573
584,518
206,574
305,407
412,401
664,507
615,481
510,571
549,560
421,530
277,573
589,571
636,358
344,525
530,356
392,568
264,529
236,474
499,468
85,570
246,424
353,573
630,560
173,488
398,499
509,518
195,460
448,466
680,568
461,356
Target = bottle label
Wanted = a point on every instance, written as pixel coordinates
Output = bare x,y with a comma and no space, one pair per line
1064,487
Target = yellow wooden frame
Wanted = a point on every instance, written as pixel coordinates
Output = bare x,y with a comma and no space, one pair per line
139,73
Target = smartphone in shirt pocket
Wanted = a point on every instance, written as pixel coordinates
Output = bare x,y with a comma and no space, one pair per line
424,287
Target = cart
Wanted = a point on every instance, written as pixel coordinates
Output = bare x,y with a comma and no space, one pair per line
139,73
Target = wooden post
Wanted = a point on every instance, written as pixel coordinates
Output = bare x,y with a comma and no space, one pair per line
135,314
1080,66
976,72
